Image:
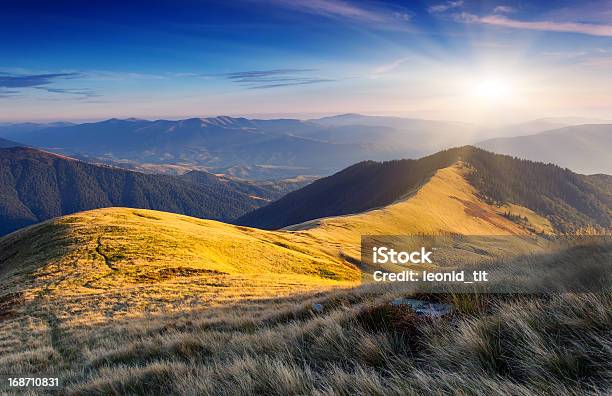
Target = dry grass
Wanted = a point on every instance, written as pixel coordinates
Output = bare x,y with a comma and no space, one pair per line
534,221
122,262
358,344
345,341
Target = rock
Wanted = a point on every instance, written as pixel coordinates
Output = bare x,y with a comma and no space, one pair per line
424,308
317,307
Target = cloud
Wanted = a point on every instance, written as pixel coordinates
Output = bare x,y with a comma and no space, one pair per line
402,15
275,78
382,69
440,8
84,92
332,8
305,82
466,17
548,26
503,9
31,80
102,75
8,93
258,74
564,54
603,62
386,17
16,83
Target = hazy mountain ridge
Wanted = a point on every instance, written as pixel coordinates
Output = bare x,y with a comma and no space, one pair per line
539,125
25,127
36,185
570,201
216,143
281,148
266,190
582,148
253,148
7,143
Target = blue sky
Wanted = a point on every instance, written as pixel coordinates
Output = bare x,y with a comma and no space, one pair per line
481,62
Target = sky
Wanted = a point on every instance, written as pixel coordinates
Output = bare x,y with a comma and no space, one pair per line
481,62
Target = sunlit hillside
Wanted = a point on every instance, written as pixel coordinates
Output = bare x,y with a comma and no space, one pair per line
119,261
446,204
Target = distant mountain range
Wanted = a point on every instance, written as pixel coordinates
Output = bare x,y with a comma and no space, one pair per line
543,124
571,202
243,147
37,185
284,148
582,148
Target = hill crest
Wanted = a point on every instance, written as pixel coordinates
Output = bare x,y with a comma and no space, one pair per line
569,201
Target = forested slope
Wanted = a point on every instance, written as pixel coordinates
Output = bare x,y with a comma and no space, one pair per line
35,185
570,201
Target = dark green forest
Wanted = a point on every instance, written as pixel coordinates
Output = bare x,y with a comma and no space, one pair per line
35,186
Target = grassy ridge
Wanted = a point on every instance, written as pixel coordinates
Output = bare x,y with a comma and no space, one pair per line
446,204
570,202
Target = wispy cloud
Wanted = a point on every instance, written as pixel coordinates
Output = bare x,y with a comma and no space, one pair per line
332,8
8,80
14,85
83,92
503,9
258,74
388,67
548,26
386,17
443,7
604,62
305,82
275,78
8,93
103,75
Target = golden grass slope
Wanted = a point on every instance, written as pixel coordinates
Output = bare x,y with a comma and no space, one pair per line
119,261
447,204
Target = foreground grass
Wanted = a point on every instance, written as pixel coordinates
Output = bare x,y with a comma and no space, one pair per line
355,342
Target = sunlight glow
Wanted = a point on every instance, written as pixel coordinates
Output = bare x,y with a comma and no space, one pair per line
492,88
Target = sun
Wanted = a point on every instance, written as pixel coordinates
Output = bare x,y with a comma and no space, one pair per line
492,88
